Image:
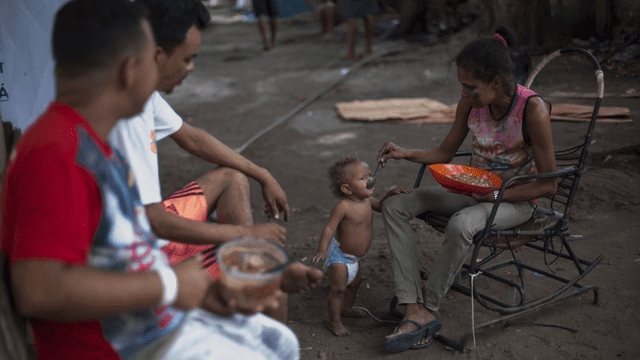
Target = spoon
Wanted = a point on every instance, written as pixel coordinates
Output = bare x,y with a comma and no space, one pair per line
372,182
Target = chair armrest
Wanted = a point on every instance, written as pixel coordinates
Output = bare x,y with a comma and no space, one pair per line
559,173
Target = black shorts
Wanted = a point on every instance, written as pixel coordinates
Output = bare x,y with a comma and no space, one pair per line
265,7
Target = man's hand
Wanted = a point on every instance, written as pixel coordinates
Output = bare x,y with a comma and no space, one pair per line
269,231
224,301
275,200
298,278
193,283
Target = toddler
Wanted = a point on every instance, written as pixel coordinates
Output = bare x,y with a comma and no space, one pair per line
351,222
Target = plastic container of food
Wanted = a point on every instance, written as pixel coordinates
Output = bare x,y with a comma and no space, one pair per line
251,267
476,181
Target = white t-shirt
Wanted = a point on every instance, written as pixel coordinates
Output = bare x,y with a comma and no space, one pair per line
136,139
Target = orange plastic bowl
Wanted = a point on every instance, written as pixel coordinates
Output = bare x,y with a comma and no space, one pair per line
440,172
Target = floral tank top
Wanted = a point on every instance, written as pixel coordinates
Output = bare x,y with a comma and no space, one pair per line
500,146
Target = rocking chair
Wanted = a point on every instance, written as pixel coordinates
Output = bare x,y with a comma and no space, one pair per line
546,233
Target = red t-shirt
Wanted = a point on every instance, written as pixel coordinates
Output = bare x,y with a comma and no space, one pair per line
49,200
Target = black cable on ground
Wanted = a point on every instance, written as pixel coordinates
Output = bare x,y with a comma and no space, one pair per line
536,324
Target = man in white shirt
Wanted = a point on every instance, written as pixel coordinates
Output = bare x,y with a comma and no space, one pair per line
182,217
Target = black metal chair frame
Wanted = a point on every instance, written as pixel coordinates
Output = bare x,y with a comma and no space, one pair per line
571,162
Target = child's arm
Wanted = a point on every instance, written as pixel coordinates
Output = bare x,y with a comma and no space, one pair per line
337,214
377,205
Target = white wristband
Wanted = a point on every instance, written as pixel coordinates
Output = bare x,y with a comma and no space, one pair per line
169,285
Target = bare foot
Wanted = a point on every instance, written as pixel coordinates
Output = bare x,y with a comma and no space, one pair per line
354,313
339,330
417,313
327,36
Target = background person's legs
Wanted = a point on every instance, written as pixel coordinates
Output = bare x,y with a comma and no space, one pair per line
273,25
263,33
442,25
351,39
327,19
368,32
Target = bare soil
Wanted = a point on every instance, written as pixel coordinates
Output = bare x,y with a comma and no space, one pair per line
238,90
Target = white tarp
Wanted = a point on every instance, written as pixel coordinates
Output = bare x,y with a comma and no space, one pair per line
26,65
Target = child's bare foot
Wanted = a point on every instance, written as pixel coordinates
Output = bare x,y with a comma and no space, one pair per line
327,36
354,313
339,330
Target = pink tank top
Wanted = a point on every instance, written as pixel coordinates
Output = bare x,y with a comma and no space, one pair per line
499,146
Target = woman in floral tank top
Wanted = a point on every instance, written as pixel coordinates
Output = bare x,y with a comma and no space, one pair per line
511,135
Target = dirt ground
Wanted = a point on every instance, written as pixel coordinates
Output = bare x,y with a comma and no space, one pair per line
238,90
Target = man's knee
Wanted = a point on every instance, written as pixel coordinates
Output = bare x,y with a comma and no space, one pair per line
223,176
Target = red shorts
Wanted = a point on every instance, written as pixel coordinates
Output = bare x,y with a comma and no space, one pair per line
191,204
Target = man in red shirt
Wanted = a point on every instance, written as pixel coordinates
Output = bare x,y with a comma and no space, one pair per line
84,264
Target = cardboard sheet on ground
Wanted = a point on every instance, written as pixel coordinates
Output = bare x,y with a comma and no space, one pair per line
573,112
429,111
412,111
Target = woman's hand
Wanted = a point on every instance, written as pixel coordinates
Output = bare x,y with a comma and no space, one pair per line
484,197
390,151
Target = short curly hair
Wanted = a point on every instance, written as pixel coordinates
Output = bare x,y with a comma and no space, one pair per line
337,173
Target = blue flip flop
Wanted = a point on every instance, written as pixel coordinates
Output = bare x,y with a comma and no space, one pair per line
404,342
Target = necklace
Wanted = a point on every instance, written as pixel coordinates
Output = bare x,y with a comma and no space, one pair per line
513,102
